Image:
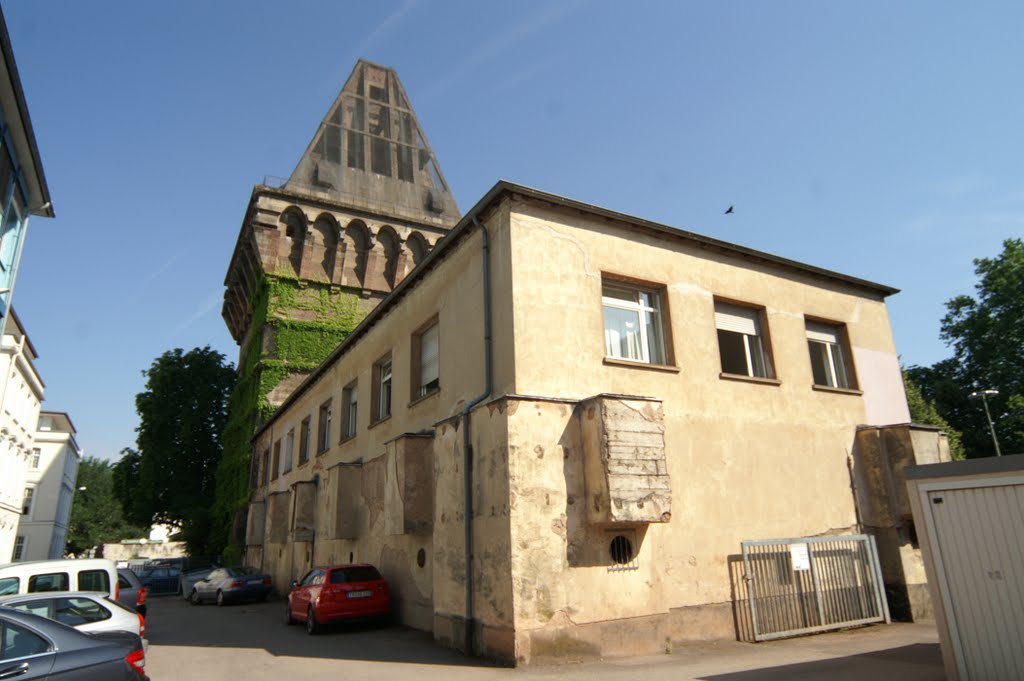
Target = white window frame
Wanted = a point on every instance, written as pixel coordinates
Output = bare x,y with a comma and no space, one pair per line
830,337
642,312
323,435
28,501
350,411
384,377
429,367
746,322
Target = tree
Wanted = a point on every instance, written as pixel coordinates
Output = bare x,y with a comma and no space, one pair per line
181,415
96,516
986,334
923,411
126,485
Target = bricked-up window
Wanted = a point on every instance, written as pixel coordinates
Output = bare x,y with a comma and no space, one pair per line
289,450
323,428
349,411
741,341
265,473
829,355
634,322
304,431
425,361
275,466
382,389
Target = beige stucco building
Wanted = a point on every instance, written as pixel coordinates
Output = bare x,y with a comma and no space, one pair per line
52,472
554,433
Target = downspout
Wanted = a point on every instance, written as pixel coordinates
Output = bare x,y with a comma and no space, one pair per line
467,446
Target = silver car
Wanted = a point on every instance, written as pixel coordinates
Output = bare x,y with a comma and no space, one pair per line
88,611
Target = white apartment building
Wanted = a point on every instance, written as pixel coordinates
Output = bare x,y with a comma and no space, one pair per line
49,490
21,393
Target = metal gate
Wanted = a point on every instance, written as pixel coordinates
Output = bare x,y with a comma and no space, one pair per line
802,586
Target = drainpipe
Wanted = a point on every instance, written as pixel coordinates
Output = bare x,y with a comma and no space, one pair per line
467,445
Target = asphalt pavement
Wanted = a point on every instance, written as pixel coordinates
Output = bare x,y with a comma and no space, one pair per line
252,642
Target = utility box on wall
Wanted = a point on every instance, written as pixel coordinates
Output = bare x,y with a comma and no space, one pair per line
624,453
968,517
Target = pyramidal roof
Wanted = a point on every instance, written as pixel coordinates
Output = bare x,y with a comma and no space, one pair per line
370,150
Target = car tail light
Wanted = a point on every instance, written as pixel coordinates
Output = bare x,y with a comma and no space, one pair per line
117,590
142,626
237,585
143,592
267,582
137,660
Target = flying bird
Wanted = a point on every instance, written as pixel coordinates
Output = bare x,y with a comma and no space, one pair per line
729,212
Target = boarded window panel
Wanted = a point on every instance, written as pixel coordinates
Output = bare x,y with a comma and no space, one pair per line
381,156
332,144
356,155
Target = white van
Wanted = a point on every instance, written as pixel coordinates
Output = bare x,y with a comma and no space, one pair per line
80,574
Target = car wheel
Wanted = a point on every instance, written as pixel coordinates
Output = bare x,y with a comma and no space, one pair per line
194,599
311,626
220,598
288,619
264,597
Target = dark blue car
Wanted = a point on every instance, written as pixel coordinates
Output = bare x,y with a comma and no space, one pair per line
225,585
160,579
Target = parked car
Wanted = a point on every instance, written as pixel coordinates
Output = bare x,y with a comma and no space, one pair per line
338,592
132,592
228,584
187,580
33,647
73,574
160,578
83,610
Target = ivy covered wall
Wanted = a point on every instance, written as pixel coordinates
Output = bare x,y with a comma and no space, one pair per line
295,326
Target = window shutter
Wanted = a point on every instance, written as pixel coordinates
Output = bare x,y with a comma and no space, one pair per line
823,333
737,319
429,368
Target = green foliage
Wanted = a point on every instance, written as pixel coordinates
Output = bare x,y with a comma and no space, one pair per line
297,346
182,414
924,412
96,516
986,334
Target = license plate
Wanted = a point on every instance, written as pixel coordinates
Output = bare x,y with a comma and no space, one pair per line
255,581
360,594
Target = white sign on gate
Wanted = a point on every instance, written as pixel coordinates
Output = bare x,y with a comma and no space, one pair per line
800,557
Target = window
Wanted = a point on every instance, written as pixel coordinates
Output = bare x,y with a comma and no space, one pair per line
265,477
349,411
19,642
94,580
19,548
425,361
76,611
289,450
9,585
275,467
633,324
828,359
26,505
304,441
323,428
54,581
740,341
36,455
382,389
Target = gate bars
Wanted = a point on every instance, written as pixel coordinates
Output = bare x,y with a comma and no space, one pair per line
807,585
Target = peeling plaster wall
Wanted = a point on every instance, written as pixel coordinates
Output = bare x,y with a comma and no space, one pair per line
746,460
383,497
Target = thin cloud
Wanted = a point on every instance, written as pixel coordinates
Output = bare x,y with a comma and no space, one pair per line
379,31
503,41
213,301
140,288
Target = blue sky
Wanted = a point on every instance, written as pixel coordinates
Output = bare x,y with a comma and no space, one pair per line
879,139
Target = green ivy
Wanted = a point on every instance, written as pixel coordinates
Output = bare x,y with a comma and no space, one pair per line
298,346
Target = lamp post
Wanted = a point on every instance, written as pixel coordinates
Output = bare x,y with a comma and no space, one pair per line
984,401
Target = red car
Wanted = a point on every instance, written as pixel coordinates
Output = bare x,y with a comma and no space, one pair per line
338,592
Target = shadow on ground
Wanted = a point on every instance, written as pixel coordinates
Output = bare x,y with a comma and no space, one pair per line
172,621
893,663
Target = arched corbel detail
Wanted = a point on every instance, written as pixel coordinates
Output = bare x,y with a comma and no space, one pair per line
390,262
324,255
293,229
357,243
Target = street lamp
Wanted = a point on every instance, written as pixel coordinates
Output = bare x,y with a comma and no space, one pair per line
983,395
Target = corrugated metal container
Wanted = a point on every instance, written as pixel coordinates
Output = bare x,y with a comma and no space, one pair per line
969,517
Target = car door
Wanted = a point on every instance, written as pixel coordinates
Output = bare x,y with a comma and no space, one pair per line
301,596
24,654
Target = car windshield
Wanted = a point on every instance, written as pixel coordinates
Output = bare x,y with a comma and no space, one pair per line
354,574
